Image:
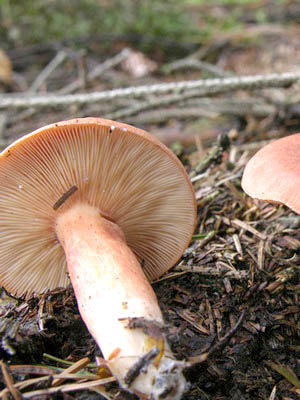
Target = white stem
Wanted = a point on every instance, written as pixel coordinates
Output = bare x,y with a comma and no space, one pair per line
111,289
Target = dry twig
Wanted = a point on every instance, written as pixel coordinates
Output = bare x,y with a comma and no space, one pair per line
217,270
193,63
205,87
47,71
97,71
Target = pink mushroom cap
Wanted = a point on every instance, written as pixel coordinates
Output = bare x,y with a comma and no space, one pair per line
273,173
133,179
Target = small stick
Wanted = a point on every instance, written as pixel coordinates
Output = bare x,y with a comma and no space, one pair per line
192,63
164,114
158,102
97,71
9,382
137,367
214,155
47,71
64,197
205,87
221,343
217,270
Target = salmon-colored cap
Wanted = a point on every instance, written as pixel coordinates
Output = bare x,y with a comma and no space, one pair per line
129,175
273,173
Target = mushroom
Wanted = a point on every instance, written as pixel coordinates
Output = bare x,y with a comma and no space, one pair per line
112,207
272,174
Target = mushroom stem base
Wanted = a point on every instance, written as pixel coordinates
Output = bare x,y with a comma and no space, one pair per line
118,304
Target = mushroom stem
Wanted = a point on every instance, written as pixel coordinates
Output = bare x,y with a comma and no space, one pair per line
108,280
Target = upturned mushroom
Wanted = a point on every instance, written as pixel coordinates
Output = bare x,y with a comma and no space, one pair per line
272,174
112,208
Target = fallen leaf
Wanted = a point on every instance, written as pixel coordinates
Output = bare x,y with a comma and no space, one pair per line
5,68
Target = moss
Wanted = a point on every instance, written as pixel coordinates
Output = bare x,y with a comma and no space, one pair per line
39,21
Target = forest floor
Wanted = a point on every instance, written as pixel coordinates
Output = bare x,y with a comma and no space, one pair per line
231,303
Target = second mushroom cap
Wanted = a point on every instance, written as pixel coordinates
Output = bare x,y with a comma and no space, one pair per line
273,173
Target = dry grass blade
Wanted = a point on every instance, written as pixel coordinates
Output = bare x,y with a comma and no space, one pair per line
34,369
67,388
77,366
23,385
220,269
249,228
32,381
286,372
9,382
273,394
70,373
237,244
